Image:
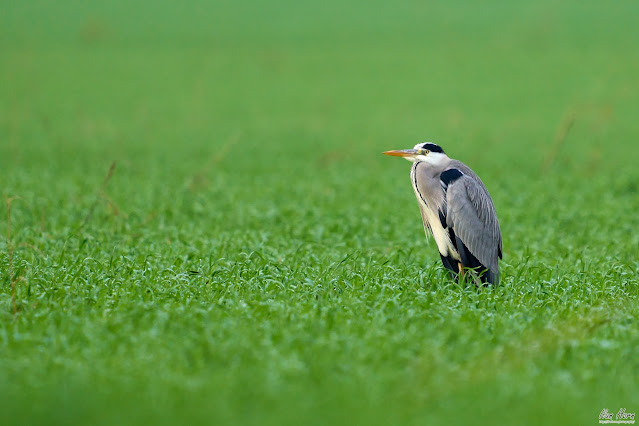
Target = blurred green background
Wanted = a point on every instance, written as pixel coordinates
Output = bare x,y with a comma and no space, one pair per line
254,259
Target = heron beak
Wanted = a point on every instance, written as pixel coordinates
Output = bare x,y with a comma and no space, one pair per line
402,153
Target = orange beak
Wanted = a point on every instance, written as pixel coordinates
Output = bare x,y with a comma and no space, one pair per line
402,153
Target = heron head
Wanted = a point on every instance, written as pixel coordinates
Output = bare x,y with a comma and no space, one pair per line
427,152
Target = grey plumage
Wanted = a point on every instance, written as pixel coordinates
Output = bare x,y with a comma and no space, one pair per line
457,209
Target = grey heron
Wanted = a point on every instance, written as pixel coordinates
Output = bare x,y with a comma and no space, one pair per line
457,209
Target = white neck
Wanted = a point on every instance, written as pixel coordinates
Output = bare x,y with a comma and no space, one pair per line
434,158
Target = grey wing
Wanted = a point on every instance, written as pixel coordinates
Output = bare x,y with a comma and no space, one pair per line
471,214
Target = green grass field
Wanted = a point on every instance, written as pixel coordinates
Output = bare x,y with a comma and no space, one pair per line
253,258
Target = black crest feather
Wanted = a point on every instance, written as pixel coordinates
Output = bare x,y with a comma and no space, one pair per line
432,147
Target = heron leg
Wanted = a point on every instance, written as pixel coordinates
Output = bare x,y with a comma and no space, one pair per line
461,271
451,266
469,260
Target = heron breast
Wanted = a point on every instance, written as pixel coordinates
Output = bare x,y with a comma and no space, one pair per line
440,234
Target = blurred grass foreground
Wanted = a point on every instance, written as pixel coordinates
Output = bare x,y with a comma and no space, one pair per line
202,229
